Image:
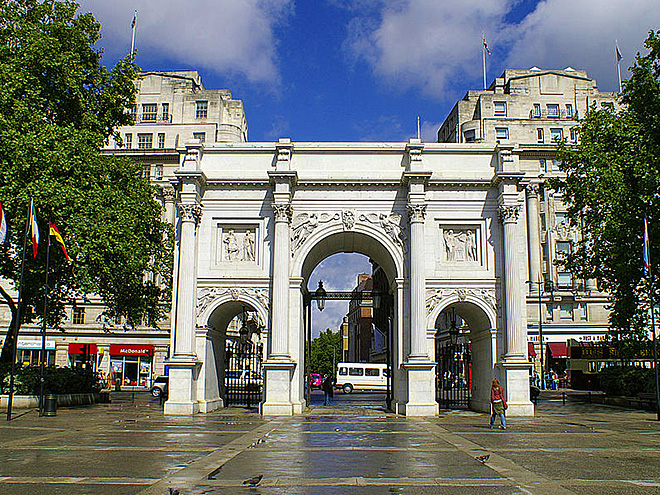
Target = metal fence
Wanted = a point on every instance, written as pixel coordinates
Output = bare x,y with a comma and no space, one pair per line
453,376
243,374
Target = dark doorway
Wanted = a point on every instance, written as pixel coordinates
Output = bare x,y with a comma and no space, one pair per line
454,375
243,376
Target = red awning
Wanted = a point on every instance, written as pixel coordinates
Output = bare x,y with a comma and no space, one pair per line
558,349
530,349
77,348
131,350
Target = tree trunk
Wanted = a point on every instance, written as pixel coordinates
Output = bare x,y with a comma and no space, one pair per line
7,354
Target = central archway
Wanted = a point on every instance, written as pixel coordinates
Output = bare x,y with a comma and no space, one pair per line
384,253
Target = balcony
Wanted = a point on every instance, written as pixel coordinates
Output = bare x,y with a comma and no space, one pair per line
561,115
150,118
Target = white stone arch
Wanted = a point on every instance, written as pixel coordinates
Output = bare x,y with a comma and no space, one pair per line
362,238
333,238
476,308
216,307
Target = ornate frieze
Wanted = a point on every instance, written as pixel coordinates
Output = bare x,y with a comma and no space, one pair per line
460,245
509,213
436,296
391,225
348,219
190,212
206,295
304,224
168,194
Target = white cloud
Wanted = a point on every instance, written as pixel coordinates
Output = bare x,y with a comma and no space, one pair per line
434,45
225,36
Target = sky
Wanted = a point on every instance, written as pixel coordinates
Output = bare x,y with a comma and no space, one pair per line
365,70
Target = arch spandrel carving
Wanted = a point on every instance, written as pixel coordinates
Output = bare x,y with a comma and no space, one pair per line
208,298
438,299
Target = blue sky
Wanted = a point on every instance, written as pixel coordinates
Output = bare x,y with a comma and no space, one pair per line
363,70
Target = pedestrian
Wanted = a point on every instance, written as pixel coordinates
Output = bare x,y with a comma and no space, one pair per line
327,387
498,404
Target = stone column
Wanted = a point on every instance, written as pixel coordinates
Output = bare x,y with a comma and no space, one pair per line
281,262
516,332
418,347
533,235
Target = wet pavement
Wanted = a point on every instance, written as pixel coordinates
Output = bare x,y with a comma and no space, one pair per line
351,447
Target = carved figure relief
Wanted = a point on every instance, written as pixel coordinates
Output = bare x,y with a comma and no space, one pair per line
238,245
436,296
460,245
304,224
391,225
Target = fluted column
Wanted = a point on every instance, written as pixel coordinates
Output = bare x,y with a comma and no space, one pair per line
184,344
533,234
281,261
516,334
418,348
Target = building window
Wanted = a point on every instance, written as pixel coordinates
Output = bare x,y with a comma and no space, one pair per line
78,316
557,134
165,112
553,110
573,135
566,311
500,108
543,225
161,140
502,132
582,313
149,112
560,218
470,136
569,111
159,172
128,140
563,249
555,165
202,109
564,279
536,111
200,135
132,111
549,311
145,141
539,134
543,165
146,171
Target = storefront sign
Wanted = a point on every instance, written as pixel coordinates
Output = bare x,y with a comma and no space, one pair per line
77,348
32,344
131,350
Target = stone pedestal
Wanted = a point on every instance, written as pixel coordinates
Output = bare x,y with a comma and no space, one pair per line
516,377
278,388
421,389
182,398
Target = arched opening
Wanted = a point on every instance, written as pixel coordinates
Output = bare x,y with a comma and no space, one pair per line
234,347
464,348
359,277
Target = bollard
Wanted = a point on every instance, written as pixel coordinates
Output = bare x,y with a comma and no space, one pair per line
563,398
50,405
590,397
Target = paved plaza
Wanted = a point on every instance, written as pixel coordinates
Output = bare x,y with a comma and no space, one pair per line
354,447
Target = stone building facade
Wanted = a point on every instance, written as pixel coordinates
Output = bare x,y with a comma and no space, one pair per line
530,110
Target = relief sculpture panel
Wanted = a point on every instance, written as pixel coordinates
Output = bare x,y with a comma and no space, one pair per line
237,244
460,245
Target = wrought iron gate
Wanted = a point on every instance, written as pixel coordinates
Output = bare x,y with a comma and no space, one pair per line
243,377
453,376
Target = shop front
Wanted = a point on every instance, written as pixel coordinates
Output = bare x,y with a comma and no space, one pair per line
131,365
28,352
83,356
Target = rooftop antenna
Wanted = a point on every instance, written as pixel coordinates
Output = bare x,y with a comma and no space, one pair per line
419,130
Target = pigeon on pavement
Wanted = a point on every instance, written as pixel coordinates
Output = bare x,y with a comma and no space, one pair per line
483,458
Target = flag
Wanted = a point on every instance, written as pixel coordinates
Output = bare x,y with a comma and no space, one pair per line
3,226
647,260
618,53
56,234
34,229
486,46
134,19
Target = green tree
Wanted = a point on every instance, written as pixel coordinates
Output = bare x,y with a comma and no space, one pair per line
322,350
612,182
58,106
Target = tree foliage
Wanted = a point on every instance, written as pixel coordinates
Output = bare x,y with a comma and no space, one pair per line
325,350
612,181
58,106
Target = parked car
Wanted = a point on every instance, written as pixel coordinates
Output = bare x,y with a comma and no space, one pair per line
159,387
315,380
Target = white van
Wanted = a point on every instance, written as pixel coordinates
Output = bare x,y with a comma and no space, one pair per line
361,376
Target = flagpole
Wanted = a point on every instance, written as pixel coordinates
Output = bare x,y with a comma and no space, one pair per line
18,323
483,52
43,330
133,36
618,63
419,130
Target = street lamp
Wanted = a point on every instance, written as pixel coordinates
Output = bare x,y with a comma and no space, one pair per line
244,331
320,296
453,329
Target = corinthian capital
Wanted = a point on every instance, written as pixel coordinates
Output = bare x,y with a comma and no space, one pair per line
416,212
509,213
283,212
190,213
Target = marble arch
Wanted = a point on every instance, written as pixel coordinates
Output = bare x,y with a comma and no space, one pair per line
257,218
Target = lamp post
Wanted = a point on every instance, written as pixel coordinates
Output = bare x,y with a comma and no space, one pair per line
547,286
